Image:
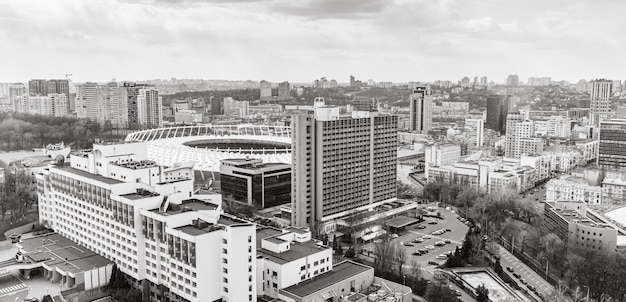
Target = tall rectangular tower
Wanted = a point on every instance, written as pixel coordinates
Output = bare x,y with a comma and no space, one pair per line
266,91
341,164
284,91
612,151
498,107
38,86
474,131
601,91
421,109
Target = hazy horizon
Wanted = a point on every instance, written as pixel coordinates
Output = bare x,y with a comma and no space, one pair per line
299,41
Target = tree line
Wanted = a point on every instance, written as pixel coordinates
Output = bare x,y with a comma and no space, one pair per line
25,131
17,195
599,272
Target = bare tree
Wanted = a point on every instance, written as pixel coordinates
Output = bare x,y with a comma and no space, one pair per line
399,257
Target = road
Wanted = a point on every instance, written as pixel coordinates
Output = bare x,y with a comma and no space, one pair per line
535,198
11,288
508,260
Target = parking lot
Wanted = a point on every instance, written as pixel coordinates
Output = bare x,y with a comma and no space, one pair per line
454,236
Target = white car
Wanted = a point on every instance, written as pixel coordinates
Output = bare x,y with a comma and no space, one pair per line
430,247
441,256
426,237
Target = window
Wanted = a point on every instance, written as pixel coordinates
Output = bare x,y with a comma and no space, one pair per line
225,280
224,260
224,241
249,239
225,289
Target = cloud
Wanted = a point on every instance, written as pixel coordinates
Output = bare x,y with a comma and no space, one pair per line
323,9
303,40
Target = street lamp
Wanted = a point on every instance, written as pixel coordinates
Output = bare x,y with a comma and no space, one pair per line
587,299
403,284
547,267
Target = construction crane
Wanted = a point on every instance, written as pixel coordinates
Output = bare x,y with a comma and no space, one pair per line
67,75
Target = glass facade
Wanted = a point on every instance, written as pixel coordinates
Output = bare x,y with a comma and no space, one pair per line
612,151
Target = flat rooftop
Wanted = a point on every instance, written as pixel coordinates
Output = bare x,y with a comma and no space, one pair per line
400,221
297,250
86,174
205,228
192,204
340,272
61,253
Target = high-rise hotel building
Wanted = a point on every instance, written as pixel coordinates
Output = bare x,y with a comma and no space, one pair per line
341,165
421,110
600,105
176,245
612,150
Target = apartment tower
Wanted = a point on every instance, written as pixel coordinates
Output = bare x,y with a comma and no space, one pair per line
341,164
421,109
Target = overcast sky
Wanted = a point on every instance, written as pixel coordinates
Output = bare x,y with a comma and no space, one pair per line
301,40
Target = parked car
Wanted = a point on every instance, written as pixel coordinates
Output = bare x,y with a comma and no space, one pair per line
457,293
426,237
432,263
430,247
432,222
15,238
420,227
516,275
441,256
447,241
523,281
408,244
510,269
532,288
416,253
440,243
418,240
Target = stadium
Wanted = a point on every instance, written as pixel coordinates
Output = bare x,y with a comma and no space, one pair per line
206,145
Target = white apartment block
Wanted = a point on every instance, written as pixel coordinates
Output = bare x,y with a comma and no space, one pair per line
288,257
569,188
519,136
150,107
516,180
556,126
145,218
441,154
541,163
614,188
49,105
589,149
474,132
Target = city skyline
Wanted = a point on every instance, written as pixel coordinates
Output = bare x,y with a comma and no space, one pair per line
400,41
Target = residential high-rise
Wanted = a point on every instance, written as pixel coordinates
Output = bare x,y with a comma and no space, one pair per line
179,246
601,91
87,101
130,93
216,106
519,136
149,107
59,86
284,91
612,150
474,131
266,90
38,87
483,81
512,80
341,165
421,109
498,107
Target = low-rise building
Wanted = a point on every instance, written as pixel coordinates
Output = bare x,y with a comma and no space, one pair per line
575,224
570,188
288,257
614,188
255,183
